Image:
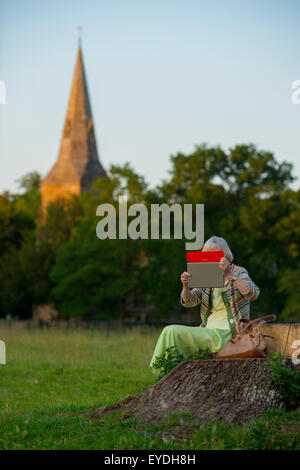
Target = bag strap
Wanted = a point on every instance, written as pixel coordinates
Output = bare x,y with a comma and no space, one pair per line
260,321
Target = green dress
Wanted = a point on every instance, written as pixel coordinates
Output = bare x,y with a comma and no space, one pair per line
189,339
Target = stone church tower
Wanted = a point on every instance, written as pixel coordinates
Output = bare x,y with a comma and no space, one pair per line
78,164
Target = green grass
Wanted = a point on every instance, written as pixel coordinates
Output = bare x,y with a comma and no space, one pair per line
53,376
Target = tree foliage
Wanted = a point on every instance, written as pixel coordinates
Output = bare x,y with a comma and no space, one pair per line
248,201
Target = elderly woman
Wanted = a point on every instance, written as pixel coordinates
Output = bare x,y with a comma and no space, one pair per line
220,308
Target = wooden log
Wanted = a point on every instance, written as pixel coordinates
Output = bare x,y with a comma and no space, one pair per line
231,390
284,336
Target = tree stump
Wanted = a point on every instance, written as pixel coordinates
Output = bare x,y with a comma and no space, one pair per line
229,390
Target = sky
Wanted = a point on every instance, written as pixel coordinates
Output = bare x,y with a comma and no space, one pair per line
163,77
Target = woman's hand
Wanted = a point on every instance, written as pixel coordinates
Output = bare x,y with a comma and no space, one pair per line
226,267
184,278
185,294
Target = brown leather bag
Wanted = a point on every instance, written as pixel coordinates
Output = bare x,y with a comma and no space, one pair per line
246,343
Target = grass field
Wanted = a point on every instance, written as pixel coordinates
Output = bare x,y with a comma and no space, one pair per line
53,376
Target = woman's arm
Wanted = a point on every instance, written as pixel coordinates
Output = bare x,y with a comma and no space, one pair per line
253,289
240,279
185,294
242,286
189,298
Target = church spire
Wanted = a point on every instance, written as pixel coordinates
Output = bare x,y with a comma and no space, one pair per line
78,164
79,30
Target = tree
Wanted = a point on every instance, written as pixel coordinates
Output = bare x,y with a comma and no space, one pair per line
14,224
247,201
24,277
289,288
256,172
29,201
99,278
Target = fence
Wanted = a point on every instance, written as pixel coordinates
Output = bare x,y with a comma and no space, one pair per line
96,324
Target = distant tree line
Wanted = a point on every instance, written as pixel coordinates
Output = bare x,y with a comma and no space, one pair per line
248,201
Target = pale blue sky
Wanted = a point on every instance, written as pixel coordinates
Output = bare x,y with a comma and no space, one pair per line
162,75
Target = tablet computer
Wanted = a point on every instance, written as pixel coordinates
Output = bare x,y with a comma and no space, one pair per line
204,269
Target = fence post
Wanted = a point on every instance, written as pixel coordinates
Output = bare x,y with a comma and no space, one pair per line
2,353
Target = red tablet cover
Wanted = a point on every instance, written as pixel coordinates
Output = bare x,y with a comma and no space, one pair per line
204,256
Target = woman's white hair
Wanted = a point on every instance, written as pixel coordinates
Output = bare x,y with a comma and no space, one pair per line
218,243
